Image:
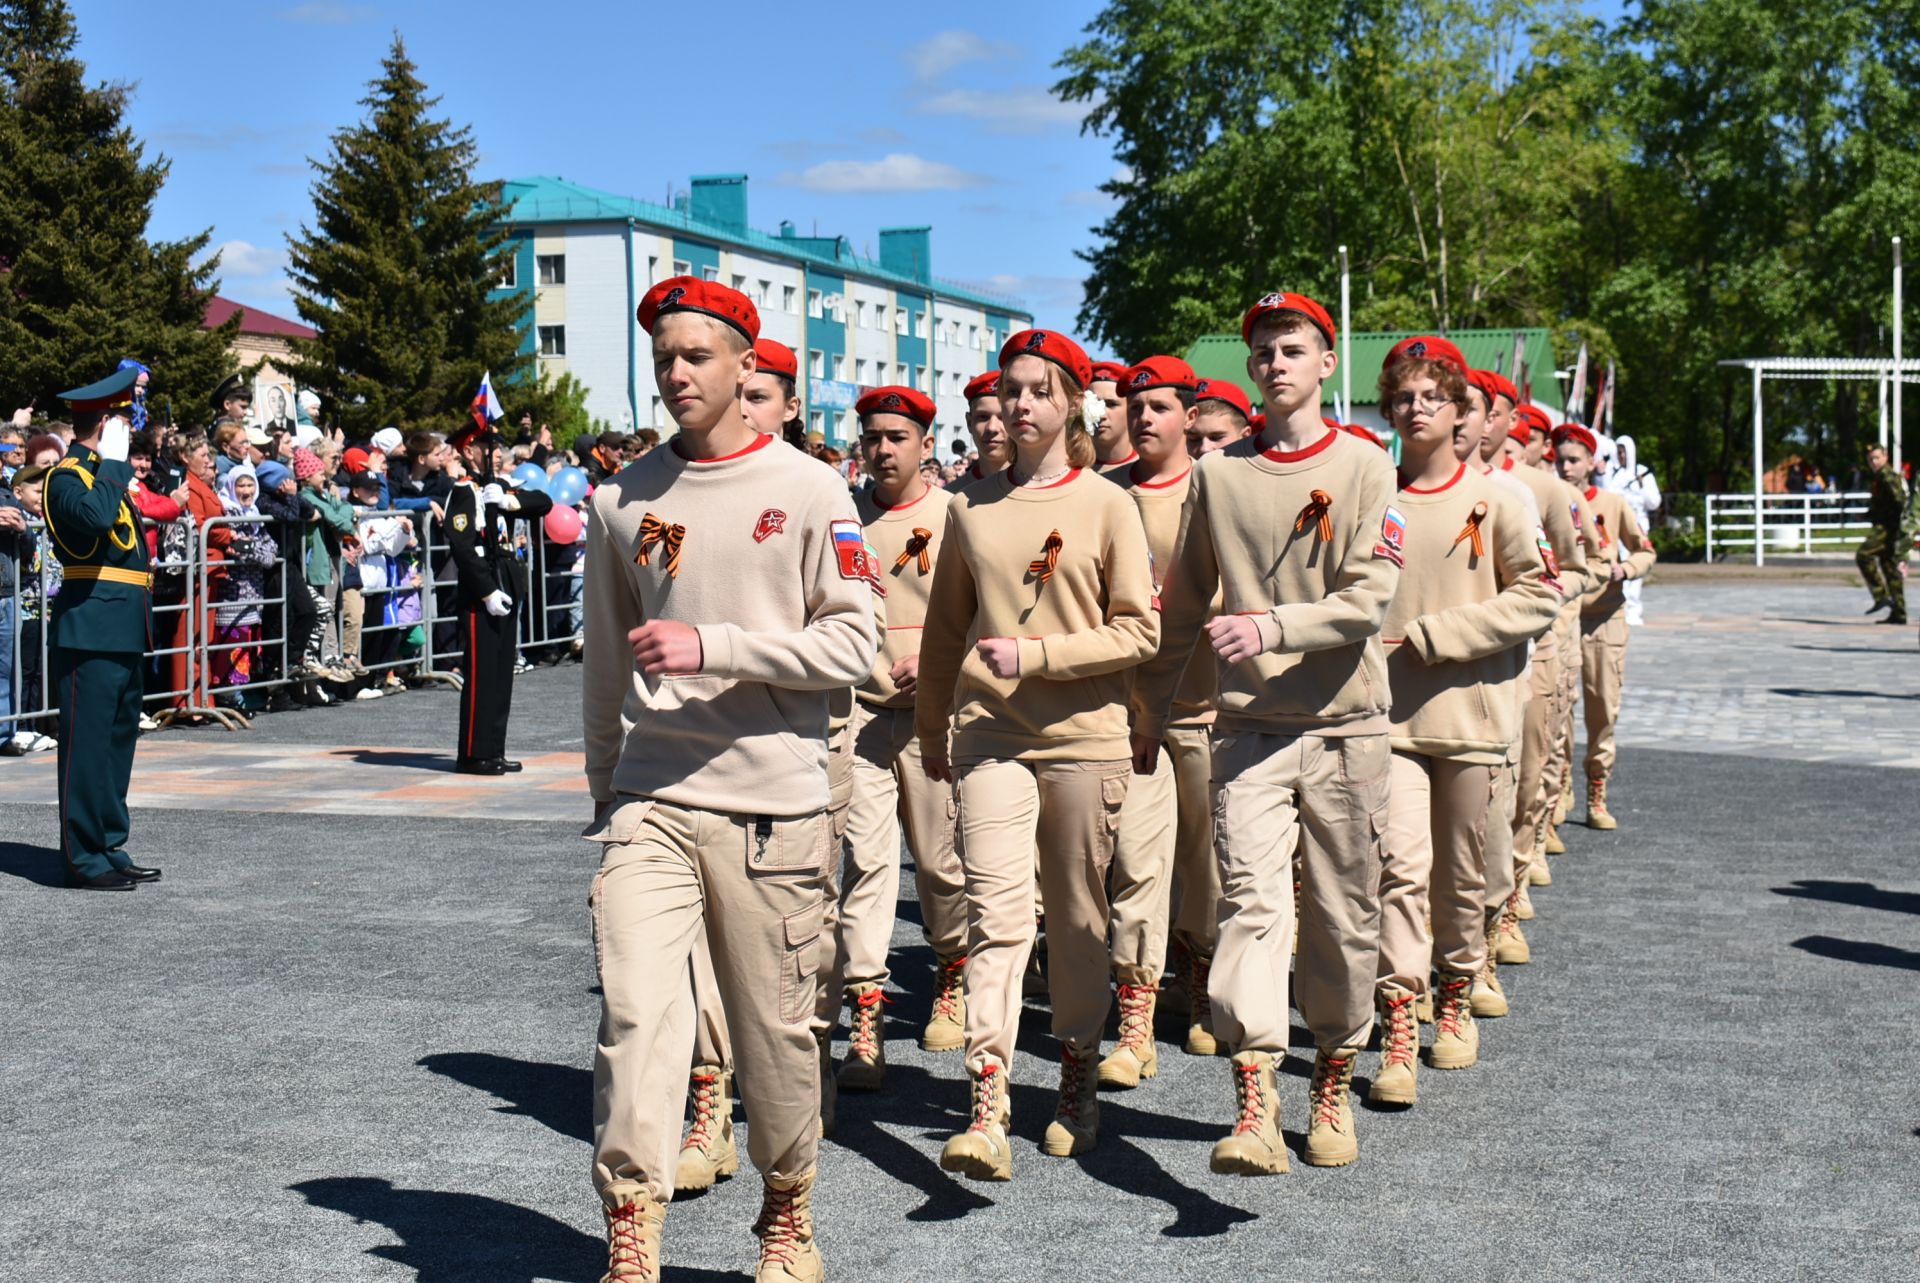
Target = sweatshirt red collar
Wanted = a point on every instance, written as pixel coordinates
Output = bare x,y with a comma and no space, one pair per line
1162,485
904,506
1278,455
1448,484
1592,493
759,442
1133,456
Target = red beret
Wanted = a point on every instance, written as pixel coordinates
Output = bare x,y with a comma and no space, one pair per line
894,399
1109,372
775,358
1282,301
709,298
1049,345
355,459
1221,390
1258,423
1522,429
1535,418
1426,347
980,385
1494,385
1578,435
1158,372
1366,434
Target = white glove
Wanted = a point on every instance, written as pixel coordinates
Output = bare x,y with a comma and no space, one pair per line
494,496
116,437
498,604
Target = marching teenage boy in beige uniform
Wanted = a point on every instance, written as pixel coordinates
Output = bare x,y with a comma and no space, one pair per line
1625,553
1556,776
1112,447
1160,394
1293,528
988,430
727,591
905,517
1041,604
1472,595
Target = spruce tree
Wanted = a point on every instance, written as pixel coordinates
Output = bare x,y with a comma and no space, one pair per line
81,286
396,270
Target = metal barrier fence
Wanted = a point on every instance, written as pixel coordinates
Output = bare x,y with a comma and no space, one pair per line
225,617
1785,525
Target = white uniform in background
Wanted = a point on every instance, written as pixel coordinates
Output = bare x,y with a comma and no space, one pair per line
1636,485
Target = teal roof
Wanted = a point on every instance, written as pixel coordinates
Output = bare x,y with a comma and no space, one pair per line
555,200
1224,356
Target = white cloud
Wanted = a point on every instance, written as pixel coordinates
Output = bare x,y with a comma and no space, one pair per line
935,56
1012,110
245,261
895,172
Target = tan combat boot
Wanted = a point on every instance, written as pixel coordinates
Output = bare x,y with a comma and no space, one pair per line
633,1233
1255,1146
1456,1038
788,1253
1538,873
1075,1128
1509,941
1523,901
708,1152
866,1062
947,1027
1331,1141
1489,1000
1563,803
1598,817
981,1152
1200,1039
1398,1079
829,1090
1136,1057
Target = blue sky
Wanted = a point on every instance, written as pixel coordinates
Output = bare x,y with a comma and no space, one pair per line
848,117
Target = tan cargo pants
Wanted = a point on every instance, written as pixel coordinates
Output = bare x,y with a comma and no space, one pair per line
1141,884
1545,710
1327,796
889,791
1500,850
1434,865
752,886
1067,813
1196,873
1560,758
1603,671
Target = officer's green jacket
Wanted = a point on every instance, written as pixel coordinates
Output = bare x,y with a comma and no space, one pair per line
1887,502
105,599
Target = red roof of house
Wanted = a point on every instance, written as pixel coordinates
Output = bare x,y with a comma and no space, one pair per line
253,320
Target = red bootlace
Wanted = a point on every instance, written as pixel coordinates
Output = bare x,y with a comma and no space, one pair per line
864,1039
1253,1101
1402,1038
1136,1024
986,1090
779,1226
706,1087
1451,1018
1327,1078
626,1250
946,992
1072,1076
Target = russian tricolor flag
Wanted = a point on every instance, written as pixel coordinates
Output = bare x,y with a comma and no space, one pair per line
486,406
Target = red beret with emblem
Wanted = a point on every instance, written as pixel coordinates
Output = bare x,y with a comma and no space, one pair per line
1494,384
1577,434
894,399
980,385
775,358
709,298
1426,347
1049,345
1223,391
1286,301
1535,420
1109,372
1158,372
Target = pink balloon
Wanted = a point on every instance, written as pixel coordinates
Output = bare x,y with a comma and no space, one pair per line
564,524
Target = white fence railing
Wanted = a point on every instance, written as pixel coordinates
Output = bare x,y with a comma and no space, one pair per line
1787,525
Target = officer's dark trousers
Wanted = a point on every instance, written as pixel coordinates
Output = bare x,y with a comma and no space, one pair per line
488,694
99,697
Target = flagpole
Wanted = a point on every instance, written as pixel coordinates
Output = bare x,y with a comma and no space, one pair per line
1346,336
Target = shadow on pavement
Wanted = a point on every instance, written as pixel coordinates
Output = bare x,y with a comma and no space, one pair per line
1863,895
469,1238
558,1096
413,760
1872,955
40,865
1800,692
1856,650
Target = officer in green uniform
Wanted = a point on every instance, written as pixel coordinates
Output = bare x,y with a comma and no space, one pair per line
1883,553
101,630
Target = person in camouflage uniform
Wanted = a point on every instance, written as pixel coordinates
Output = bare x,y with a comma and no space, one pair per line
1883,553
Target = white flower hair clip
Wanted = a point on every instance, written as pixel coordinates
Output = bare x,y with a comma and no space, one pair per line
1092,410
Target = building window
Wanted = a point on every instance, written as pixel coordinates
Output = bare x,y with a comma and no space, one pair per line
817,364
919,325
509,271
860,314
920,378
973,337
813,303
552,268
739,283
817,422
789,300
653,269
900,372
860,370
710,273
659,412
553,340
900,319
682,268
839,369
762,289
882,319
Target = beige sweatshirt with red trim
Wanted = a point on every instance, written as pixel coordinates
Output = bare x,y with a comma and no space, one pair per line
1458,629
772,573
1621,541
907,541
1081,627
1161,504
1251,531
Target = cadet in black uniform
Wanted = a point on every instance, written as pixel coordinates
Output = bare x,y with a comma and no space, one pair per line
492,584
101,631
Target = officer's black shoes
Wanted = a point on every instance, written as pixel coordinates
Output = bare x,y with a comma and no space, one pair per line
1876,608
1898,622
111,880
480,766
140,873
509,764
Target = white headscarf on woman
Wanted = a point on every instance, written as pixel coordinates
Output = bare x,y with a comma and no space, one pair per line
231,501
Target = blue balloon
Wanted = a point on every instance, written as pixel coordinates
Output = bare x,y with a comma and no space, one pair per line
531,476
568,486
